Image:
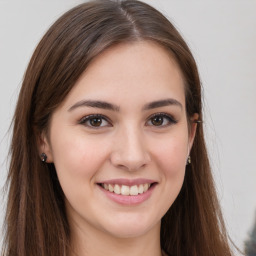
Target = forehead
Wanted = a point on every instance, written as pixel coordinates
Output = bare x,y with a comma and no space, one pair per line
143,69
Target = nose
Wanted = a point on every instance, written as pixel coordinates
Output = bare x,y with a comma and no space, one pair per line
130,150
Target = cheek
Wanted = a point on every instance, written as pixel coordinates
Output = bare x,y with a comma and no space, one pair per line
77,161
171,156
76,157
172,165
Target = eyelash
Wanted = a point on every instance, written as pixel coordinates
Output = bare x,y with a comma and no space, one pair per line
164,116
94,116
170,119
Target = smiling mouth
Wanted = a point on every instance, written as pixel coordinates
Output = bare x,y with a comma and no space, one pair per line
125,190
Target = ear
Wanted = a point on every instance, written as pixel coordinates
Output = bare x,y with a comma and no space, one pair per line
44,146
192,131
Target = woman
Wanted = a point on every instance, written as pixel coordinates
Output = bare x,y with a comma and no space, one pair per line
108,154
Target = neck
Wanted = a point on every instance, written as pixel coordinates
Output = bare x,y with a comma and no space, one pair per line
93,242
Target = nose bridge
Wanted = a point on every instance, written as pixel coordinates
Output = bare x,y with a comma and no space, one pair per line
130,150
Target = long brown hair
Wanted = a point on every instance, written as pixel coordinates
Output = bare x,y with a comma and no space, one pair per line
36,222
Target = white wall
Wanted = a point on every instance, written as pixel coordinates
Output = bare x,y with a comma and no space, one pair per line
222,36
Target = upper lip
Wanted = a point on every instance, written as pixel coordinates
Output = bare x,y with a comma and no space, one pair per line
127,182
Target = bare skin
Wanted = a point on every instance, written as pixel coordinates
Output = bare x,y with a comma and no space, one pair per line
124,123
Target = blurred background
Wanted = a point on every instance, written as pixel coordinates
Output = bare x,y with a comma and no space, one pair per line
222,37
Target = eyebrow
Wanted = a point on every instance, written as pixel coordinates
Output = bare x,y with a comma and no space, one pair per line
95,104
162,103
109,106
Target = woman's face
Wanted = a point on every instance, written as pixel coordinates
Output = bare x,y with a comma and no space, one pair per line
120,141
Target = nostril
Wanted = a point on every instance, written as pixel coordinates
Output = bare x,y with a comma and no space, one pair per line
130,161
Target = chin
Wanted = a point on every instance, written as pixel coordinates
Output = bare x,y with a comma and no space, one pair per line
131,228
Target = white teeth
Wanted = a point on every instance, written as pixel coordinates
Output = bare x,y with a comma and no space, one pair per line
117,189
134,190
146,187
110,188
126,190
140,190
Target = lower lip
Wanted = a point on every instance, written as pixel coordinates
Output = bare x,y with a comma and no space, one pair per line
129,200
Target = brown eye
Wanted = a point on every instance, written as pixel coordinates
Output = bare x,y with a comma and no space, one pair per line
157,120
161,120
97,121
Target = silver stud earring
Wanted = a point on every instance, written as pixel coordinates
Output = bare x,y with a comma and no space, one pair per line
43,157
188,160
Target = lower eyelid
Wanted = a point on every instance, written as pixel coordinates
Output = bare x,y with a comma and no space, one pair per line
170,118
84,119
